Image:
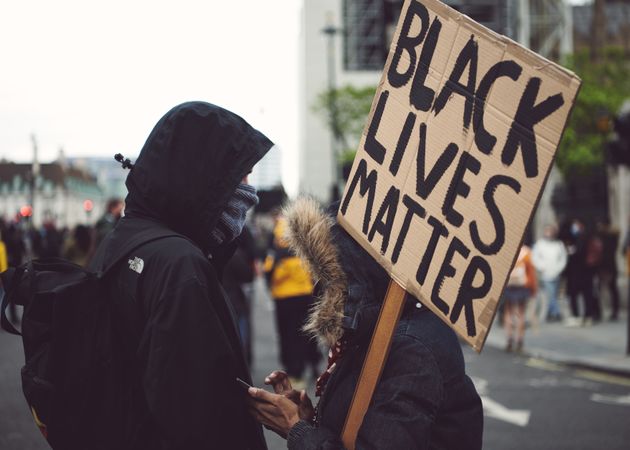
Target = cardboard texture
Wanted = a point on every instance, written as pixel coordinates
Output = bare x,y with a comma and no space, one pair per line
456,151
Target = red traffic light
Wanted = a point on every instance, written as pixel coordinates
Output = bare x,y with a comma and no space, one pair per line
26,211
88,205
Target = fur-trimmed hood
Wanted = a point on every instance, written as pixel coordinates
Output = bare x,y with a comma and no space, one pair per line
350,285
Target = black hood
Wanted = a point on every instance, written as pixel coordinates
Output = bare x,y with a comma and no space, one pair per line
190,165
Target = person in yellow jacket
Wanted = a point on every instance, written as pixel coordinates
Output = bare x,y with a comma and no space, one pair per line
4,264
292,289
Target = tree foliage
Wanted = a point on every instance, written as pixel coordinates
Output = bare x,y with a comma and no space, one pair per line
351,107
605,85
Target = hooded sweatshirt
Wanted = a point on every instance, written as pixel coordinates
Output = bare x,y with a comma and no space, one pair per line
181,348
549,256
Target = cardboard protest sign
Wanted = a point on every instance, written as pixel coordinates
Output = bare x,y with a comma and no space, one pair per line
457,148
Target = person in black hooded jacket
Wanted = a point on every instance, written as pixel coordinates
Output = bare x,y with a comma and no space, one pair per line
181,347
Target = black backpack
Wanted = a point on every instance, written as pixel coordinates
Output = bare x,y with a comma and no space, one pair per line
73,375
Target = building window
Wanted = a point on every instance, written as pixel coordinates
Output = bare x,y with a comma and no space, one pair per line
368,28
369,25
490,13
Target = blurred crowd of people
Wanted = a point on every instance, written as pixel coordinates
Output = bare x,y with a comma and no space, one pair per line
575,262
292,291
256,254
265,253
22,241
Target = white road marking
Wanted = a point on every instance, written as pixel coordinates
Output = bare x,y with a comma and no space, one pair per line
495,410
554,382
481,385
623,400
519,417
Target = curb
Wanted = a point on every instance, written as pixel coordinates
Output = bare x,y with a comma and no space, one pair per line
584,364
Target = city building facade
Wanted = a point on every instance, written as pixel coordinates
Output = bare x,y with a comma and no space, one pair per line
267,173
346,42
62,194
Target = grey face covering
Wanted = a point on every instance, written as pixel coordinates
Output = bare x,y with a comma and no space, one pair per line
232,220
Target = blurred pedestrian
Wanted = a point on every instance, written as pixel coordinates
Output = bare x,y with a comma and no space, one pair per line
521,286
107,222
47,240
593,263
423,399
625,251
14,241
4,260
607,274
580,272
188,192
16,251
239,273
549,257
78,245
292,291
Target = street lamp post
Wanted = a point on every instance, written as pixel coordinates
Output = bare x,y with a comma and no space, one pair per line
34,174
331,31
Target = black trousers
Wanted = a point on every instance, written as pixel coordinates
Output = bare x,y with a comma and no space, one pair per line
582,283
608,280
297,350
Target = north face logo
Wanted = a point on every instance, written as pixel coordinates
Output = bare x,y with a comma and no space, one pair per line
136,264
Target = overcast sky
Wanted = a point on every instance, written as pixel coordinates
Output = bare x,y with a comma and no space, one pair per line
94,77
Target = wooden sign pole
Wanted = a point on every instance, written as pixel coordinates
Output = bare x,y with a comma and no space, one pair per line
374,362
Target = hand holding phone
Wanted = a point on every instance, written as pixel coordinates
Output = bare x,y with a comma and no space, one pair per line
243,384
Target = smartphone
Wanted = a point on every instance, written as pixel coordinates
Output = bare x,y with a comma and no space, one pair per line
242,384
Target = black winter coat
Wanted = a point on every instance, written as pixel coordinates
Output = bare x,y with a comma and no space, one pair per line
182,352
424,399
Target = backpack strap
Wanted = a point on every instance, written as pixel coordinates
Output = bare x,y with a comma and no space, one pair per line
11,277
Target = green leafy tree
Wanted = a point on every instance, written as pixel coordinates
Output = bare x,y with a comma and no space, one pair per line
346,110
605,85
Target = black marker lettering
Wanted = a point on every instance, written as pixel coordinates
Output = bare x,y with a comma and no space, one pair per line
439,230
467,292
467,57
373,147
459,188
497,219
403,140
367,185
384,227
420,95
413,208
485,141
447,271
408,44
522,130
424,186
